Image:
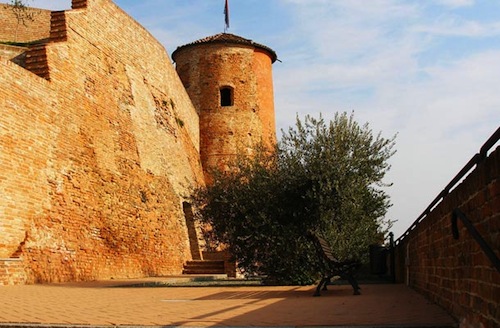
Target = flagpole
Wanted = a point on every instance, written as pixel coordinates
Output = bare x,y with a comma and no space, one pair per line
226,16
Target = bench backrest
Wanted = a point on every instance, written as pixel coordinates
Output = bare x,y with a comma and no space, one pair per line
323,247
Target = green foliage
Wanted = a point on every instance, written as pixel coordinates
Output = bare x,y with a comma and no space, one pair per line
322,176
345,165
23,44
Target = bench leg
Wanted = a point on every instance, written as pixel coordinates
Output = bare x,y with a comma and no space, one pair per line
354,284
328,280
318,288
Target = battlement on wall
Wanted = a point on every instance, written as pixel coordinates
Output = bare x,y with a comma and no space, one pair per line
36,56
32,56
78,4
44,25
25,41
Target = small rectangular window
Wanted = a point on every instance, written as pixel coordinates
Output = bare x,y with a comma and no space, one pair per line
226,97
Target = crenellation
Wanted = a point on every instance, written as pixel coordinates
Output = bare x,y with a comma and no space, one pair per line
33,30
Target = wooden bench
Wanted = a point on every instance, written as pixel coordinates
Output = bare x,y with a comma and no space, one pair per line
332,267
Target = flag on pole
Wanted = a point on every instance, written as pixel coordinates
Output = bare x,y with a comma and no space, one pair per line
226,15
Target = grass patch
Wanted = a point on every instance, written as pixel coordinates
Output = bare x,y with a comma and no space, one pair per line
24,44
196,283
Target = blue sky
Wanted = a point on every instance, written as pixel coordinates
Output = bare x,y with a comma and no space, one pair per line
426,70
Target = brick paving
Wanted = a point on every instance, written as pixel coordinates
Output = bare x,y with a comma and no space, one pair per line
104,304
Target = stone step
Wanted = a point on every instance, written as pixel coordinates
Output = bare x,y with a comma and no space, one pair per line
204,267
204,271
205,263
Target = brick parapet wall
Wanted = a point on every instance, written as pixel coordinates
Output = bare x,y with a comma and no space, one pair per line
456,273
34,30
97,161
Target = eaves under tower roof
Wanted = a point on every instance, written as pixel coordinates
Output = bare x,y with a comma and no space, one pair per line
228,39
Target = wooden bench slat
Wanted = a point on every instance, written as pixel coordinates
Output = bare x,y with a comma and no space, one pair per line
333,267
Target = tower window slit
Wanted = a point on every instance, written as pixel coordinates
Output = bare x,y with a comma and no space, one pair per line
226,96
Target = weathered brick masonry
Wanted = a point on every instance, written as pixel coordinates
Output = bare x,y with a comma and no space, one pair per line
456,273
97,155
31,30
227,61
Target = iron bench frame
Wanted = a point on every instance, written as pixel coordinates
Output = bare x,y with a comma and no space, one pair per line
332,267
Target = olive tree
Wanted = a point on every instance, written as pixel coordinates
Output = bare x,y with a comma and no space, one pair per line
323,176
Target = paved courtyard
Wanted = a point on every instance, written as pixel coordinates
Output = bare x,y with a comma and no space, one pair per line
102,303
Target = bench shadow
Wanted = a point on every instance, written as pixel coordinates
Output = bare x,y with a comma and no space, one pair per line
380,306
294,293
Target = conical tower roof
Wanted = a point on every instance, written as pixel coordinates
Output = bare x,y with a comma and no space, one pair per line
229,39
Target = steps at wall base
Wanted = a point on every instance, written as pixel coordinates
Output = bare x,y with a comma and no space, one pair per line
202,271
205,263
204,267
187,278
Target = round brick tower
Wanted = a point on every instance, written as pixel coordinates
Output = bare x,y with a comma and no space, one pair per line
229,80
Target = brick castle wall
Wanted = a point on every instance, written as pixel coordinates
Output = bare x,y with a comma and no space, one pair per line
12,272
456,273
98,156
31,30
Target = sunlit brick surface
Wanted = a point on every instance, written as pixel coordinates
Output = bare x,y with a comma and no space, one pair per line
97,152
